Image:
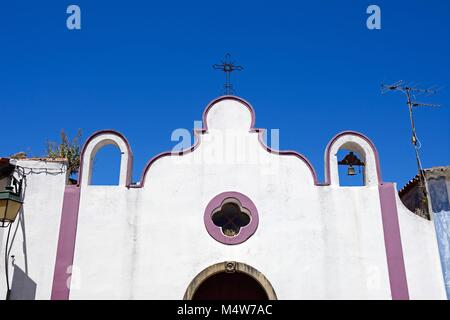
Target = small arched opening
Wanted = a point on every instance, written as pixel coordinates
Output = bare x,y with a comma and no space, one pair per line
106,166
352,160
110,154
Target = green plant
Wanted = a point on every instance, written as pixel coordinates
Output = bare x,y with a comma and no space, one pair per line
67,149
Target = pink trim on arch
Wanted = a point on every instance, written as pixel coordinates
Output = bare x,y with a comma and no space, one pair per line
167,154
217,100
246,232
260,133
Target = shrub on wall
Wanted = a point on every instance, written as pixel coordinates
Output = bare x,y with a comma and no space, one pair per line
67,149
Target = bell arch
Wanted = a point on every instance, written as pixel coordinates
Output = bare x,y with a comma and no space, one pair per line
360,144
97,141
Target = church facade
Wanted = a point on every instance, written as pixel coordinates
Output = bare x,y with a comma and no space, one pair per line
226,218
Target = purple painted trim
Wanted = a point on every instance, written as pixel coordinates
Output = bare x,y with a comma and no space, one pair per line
238,99
357,134
197,133
393,243
66,243
245,232
167,154
205,129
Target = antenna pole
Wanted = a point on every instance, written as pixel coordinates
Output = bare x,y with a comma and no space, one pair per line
409,92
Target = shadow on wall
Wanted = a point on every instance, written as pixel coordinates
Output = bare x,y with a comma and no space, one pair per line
22,286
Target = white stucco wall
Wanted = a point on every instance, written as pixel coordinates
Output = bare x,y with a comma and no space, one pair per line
313,242
150,243
34,234
421,254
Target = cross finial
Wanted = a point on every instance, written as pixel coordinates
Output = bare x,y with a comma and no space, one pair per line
228,66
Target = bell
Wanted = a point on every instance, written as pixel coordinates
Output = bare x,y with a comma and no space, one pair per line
351,171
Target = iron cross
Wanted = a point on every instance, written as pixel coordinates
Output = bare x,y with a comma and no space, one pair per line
228,66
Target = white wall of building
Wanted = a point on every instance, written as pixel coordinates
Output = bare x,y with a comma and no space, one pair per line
34,234
421,254
313,242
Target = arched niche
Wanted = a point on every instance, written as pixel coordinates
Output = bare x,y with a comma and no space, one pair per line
357,143
94,144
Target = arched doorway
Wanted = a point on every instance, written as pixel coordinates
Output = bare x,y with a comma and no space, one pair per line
230,281
230,286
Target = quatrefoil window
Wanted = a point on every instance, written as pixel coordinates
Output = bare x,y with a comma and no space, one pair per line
231,218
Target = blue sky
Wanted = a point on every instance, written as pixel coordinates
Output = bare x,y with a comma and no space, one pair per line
312,69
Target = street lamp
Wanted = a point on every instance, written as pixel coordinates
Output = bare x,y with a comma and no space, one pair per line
10,204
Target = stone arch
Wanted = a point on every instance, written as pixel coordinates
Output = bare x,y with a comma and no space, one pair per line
356,142
97,141
229,267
